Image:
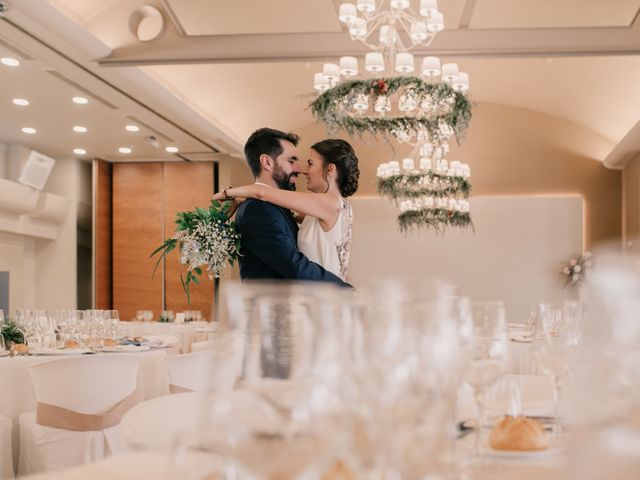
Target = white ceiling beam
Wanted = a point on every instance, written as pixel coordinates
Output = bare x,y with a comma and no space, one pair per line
551,42
625,151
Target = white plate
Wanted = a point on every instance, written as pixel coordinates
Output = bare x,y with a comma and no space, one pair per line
59,351
125,348
520,337
553,449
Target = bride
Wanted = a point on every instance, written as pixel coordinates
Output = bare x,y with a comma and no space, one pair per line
325,232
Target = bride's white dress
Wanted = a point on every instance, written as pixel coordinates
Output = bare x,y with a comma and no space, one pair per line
329,249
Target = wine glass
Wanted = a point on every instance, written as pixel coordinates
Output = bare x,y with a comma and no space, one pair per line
488,358
553,349
287,398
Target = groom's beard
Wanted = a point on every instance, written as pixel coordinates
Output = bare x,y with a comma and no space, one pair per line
283,180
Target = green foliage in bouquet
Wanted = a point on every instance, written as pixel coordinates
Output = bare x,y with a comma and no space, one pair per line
205,237
11,333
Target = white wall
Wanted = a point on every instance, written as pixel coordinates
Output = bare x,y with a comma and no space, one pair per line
43,272
515,255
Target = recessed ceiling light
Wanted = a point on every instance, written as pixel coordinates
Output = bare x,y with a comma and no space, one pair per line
80,100
79,129
29,130
132,128
124,150
21,101
9,62
172,149
79,151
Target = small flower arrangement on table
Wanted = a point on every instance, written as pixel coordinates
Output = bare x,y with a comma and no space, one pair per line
205,238
576,269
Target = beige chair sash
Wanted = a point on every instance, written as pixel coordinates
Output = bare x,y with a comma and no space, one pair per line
58,417
178,389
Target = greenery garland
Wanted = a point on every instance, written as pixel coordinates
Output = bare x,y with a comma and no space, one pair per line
332,107
436,218
412,186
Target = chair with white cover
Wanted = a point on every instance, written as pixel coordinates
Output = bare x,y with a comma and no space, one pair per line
81,401
206,371
6,453
203,346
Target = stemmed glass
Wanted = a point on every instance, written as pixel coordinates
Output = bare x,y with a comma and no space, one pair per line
287,398
556,338
488,358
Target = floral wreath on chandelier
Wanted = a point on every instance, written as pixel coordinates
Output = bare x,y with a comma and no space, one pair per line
440,104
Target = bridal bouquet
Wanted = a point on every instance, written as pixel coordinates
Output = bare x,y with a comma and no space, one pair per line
205,237
576,269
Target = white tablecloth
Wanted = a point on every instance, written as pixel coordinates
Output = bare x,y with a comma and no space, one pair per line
157,466
187,333
18,395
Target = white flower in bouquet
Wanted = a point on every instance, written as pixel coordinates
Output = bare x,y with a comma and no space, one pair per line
576,268
206,238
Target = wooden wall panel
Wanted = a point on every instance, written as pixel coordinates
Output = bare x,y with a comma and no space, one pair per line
138,216
103,241
186,186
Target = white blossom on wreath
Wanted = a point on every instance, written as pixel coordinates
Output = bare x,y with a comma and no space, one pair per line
576,269
205,238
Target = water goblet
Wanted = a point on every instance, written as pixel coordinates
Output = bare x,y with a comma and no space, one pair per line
488,359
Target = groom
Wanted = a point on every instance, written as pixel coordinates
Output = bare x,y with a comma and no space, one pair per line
269,233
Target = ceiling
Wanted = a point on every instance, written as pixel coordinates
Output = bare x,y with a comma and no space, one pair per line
578,60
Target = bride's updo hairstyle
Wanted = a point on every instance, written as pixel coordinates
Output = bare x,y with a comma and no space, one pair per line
341,154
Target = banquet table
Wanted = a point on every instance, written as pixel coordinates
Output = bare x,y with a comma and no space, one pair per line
187,333
19,396
158,466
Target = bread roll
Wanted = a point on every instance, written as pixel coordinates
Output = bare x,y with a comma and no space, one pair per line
19,348
339,471
71,344
518,433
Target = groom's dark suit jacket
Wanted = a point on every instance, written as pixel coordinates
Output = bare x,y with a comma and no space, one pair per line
269,246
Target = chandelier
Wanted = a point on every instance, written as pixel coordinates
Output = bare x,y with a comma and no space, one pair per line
423,108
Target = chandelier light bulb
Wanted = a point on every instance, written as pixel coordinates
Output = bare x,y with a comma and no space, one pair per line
347,12
431,67
461,83
449,72
425,163
408,164
320,82
428,7
358,28
387,35
404,63
418,32
348,66
361,103
400,4
366,6
331,71
383,104
374,62
436,22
